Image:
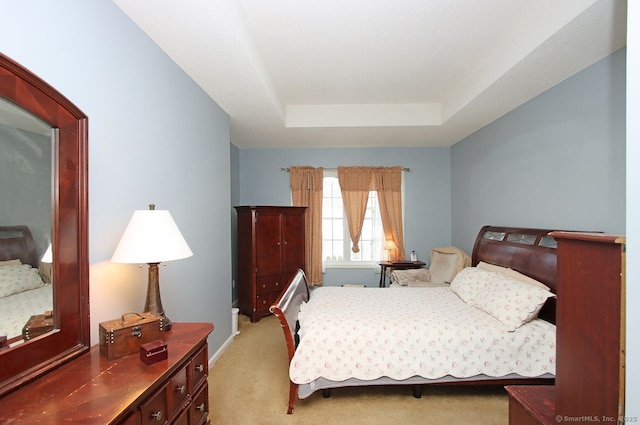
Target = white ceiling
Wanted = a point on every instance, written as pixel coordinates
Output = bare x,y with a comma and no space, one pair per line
376,73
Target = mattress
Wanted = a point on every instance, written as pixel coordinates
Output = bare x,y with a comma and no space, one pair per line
356,336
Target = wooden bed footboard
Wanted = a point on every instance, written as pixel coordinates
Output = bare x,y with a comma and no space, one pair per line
286,309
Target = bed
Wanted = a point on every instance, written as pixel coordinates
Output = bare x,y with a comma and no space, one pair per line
495,324
23,290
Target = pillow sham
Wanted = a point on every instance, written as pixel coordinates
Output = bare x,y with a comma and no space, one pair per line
514,274
470,283
15,262
511,301
15,279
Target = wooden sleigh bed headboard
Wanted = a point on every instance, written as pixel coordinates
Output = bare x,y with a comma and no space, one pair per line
16,242
529,251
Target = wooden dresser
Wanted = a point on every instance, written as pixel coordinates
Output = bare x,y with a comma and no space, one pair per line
93,390
271,249
590,337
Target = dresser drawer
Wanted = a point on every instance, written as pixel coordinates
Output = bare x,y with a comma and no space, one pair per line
199,369
154,411
133,419
183,419
199,409
178,390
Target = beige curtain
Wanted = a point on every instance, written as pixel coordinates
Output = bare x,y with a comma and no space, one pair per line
355,184
306,191
388,184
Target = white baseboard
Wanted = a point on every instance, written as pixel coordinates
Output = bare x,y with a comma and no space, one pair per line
213,359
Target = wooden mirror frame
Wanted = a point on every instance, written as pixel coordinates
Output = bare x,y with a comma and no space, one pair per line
71,336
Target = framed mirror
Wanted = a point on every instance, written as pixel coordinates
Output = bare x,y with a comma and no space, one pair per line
69,334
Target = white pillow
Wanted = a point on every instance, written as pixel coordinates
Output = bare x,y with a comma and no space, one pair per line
15,262
511,301
512,273
15,279
470,283
443,266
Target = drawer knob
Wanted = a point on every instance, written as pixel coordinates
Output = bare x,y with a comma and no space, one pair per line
200,407
200,368
157,416
181,389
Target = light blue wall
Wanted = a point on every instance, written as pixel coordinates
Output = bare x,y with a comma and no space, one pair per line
154,137
235,200
427,191
556,162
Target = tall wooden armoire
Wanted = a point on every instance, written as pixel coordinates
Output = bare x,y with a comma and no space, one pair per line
271,249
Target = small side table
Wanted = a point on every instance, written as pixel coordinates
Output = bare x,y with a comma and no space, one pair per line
405,265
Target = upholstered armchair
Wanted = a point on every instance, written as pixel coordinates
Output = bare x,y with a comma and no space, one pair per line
445,264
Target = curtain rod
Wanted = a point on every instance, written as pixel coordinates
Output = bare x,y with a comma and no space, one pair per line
286,170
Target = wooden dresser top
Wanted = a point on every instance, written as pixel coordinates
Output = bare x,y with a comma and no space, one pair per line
94,390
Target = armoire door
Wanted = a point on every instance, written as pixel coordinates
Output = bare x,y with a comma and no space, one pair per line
268,243
293,250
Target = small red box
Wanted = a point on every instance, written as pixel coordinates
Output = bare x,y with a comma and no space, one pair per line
153,351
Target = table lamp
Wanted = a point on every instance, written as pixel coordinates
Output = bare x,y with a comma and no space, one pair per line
389,246
47,257
152,237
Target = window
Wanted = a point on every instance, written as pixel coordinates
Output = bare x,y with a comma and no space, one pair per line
336,242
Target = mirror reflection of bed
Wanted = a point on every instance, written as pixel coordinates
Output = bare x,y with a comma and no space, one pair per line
26,164
26,288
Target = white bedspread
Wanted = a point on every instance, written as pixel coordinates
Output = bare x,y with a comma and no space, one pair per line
369,333
15,310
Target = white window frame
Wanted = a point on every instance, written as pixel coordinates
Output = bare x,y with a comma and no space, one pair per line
347,238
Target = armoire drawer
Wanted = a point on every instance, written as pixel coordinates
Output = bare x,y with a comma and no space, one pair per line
264,301
269,284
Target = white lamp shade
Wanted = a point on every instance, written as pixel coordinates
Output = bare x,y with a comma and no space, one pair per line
47,257
389,244
151,237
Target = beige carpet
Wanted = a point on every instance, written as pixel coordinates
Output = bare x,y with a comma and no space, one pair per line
249,385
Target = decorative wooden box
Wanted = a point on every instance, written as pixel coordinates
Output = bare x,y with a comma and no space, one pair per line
37,325
153,351
124,336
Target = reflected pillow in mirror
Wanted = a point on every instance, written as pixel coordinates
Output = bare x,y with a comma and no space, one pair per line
15,262
16,279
